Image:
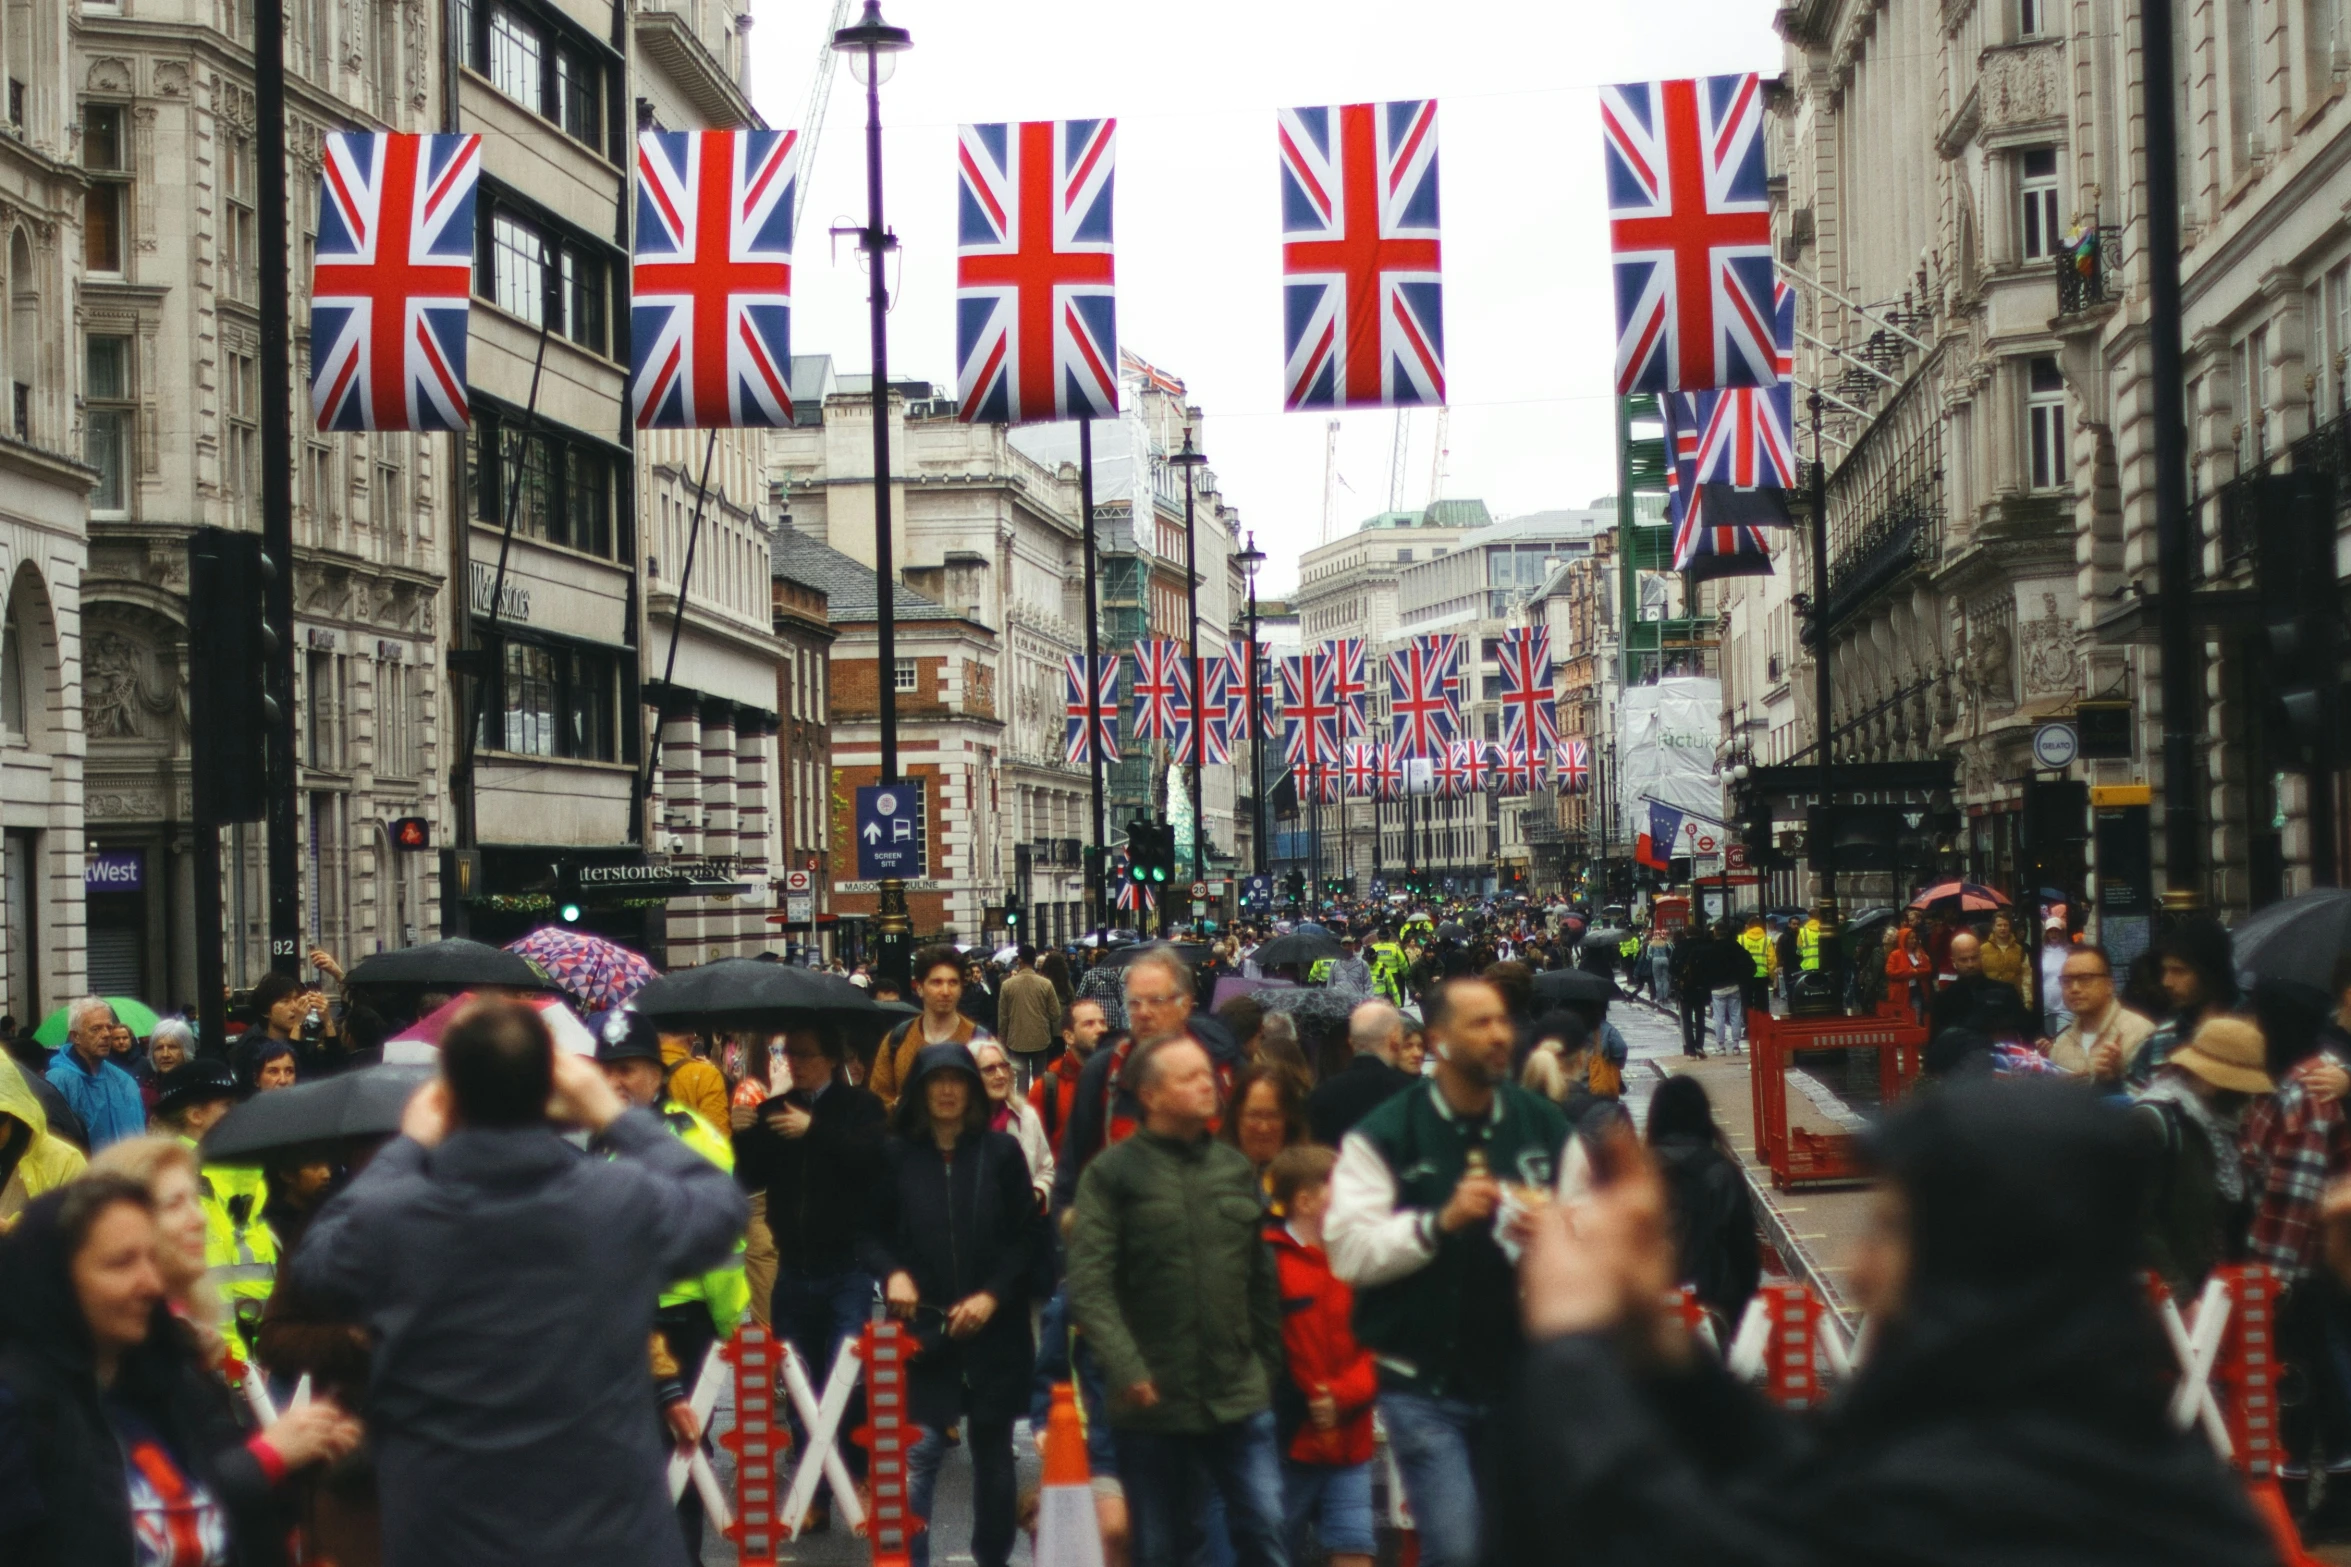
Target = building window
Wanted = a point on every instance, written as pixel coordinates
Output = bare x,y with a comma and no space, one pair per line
579,95
515,59
516,255
2338,327
106,208
242,459
395,751
2037,179
322,726
1404,557
106,383
2045,424
904,678
566,485
240,253
558,702
15,668
2031,17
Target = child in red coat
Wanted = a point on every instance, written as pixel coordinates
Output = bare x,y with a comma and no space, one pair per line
1323,1411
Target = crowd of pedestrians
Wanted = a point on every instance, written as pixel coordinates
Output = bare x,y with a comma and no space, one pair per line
1392,1197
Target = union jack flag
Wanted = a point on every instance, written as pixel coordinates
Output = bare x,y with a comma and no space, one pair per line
391,280
1036,320
1390,782
1269,707
1690,227
1362,303
1714,534
1422,712
1344,658
1573,762
1163,689
1745,435
1461,769
1529,713
710,287
1311,717
1075,742
1361,769
1132,894
1214,725
1514,772
1319,782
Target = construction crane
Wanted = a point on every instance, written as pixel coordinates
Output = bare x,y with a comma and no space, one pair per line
1396,459
1437,460
1330,479
820,93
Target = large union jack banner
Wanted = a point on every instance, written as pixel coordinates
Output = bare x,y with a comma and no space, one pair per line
1746,436
1342,657
1269,706
1163,689
1363,321
1310,716
1036,323
1389,784
1360,768
1690,228
1211,724
710,288
1516,773
1461,770
1573,763
1422,712
390,281
1319,782
1530,720
1076,742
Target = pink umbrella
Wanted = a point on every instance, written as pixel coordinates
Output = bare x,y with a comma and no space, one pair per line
1966,896
420,1042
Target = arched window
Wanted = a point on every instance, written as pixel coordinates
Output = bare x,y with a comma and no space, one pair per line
15,677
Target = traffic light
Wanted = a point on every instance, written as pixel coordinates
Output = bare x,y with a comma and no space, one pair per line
1012,912
411,832
231,715
1150,852
1297,886
2295,582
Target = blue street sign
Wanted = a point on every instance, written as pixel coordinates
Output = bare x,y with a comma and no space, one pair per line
1379,886
886,841
1257,889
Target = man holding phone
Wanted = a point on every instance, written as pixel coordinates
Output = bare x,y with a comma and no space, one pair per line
815,1149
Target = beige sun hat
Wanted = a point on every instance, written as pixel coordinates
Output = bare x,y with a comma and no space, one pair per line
2226,1052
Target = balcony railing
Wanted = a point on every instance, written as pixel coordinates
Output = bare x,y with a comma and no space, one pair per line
2089,271
1906,530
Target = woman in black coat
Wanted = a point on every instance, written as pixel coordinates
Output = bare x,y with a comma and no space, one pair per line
115,1445
2011,1413
1713,1220
954,1234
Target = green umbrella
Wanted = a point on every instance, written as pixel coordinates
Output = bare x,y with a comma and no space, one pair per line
140,1016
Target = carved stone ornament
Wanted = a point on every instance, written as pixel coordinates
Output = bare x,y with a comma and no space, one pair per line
2021,86
126,688
2046,647
110,805
171,79
109,75
1994,661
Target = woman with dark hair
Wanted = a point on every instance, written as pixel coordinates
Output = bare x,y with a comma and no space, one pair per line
2013,1407
955,1235
115,1446
269,1065
1715,1248
1267,1113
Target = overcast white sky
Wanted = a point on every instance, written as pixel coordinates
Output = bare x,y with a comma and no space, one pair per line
1194,88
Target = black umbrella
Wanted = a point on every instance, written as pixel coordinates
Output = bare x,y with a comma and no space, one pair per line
1574,984
1192,952
748,992
1299,946
1612,937
2300,939
1453,930
1310,928
365,1103
455,964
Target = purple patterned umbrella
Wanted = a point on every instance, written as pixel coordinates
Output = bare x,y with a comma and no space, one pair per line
596,973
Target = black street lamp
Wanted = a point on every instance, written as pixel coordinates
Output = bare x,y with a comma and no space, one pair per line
873,47
1188,459
1251,557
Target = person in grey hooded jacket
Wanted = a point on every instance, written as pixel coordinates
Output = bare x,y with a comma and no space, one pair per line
510,1281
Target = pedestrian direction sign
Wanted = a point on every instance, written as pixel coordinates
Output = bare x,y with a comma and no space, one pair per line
888,844
1257,889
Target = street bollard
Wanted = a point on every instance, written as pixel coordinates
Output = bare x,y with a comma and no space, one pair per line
891,1524
756,1442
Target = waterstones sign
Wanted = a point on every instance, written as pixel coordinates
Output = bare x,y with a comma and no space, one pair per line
512,597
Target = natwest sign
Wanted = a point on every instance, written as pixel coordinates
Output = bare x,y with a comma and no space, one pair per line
116,870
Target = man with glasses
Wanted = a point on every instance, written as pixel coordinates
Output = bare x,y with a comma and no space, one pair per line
2104,1035
1158,987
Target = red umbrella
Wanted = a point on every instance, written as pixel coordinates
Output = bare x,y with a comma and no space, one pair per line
1965,896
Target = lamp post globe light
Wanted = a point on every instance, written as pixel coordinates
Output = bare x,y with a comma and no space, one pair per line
1251,558
872,47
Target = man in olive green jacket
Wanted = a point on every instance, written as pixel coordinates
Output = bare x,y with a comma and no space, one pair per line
1173,1287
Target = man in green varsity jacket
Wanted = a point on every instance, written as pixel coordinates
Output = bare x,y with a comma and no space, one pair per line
1423,1186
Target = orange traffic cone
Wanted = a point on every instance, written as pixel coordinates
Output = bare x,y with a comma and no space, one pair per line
1068,1532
